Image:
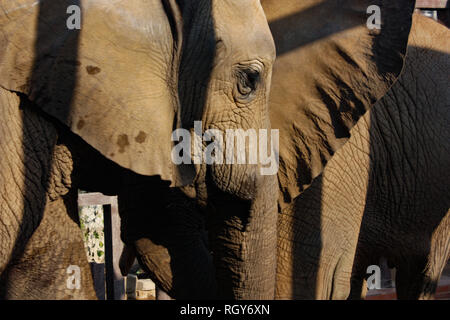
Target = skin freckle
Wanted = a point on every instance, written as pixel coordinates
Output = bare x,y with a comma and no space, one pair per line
92,70
141,137
81,124
122,142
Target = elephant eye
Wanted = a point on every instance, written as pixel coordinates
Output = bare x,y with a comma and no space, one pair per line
247,80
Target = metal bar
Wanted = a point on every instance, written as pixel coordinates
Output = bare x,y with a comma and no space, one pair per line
109,262
117,247
98,275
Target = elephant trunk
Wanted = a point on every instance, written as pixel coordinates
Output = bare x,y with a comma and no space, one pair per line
243,240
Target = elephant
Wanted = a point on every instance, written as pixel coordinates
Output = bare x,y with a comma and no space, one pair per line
97,107
80,103
384,194
330,69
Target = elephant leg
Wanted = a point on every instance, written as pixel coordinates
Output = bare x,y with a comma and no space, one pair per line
438,257
419,280
410,280
24,163
358,288
54,253
38,240
365,256
414,279
318,234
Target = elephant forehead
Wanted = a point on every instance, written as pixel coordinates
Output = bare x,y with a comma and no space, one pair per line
242,25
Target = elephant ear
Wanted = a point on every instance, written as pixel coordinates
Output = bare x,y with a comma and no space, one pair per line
112,81
331,68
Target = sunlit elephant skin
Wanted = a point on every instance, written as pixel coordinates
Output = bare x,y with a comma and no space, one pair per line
383,194
95,108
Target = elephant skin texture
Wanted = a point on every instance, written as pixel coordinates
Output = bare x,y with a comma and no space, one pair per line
40,237
383,194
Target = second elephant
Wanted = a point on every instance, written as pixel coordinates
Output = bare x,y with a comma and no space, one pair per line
384,194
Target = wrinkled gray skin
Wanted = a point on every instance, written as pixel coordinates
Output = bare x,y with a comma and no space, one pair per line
384,194
185,57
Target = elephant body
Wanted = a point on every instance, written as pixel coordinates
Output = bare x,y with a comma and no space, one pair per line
383,194
407,214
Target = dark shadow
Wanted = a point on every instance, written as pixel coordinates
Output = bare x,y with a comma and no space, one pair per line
300,37
296,37
171,238
444,15
168,226
56,53
196,65
197,59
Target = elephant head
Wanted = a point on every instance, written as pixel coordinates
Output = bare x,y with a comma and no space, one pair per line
331,69
335,59
224,82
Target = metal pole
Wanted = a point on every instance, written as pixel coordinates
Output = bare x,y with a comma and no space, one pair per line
109,263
